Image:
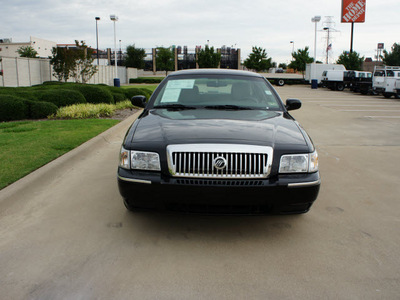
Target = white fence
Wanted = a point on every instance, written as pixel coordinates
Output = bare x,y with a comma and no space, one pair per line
20,71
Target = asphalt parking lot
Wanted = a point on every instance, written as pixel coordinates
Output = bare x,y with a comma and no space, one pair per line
65,234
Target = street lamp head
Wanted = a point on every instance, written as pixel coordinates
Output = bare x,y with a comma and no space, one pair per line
97,18
114,18
316,19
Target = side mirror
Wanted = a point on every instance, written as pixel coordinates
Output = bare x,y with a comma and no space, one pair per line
292,104
139,101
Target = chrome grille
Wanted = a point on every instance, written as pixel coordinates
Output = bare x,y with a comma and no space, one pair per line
219,161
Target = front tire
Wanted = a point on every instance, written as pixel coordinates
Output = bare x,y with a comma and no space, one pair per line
340,87
387,95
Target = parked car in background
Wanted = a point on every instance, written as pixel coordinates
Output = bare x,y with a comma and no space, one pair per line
218,141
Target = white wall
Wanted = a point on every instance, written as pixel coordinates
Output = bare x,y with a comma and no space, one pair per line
43,47
10,49
20,71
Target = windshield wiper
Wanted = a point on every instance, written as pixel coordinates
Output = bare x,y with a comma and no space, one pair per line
175,106
228,107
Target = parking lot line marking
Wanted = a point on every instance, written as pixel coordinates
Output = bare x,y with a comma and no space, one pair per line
351,101
347,99
380,110
362,105
385,117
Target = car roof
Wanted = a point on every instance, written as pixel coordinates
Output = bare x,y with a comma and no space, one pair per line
214,72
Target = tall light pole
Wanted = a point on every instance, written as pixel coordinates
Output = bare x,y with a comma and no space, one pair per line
97,39
314,82
114,18
292,42
120,51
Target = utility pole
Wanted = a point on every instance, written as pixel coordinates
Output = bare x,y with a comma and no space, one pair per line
329,25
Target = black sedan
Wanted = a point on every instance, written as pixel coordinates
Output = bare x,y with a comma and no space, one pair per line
218,141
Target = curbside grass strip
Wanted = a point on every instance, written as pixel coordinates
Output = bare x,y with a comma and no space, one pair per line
47,171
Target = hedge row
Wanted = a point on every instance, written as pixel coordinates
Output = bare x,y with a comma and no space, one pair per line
43,100
17,108
146,80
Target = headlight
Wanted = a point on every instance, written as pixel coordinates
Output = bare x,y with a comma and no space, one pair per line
145,161
299,163
124,161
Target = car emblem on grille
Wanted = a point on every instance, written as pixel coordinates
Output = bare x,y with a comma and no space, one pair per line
220,163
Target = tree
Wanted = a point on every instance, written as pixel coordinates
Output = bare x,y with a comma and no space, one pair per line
208,58
300,59
392,58
258,60
165,59
27,51
283,66
351,61
135,57
63,62
84,68
73,62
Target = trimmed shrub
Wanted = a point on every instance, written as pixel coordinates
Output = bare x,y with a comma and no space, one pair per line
118,97
53,83
92,93
137,91
146,80
22,92
84,111
60,97
40,110
12,108
117,93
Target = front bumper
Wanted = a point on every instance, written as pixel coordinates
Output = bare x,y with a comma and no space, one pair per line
379,90
288,194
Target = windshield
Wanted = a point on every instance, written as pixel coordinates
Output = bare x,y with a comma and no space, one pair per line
216,92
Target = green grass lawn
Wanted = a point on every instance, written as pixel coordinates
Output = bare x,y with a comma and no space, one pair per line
151,87
28,145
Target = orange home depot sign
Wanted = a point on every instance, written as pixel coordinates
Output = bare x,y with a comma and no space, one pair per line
353,11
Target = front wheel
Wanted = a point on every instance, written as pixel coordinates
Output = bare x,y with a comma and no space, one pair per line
340,87
387,95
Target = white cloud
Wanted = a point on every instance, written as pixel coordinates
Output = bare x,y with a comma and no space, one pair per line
268,24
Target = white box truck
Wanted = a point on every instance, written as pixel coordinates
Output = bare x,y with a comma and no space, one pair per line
319,69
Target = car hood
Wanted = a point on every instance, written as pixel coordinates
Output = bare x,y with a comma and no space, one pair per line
256,127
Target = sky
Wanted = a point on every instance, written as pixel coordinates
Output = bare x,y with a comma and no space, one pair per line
271,25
